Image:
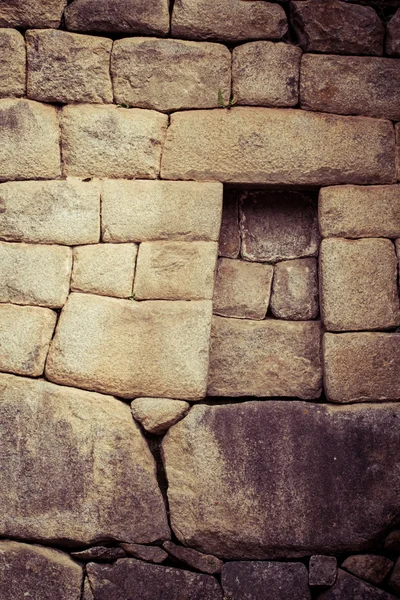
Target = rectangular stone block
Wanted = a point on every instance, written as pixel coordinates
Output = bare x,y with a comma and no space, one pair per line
397,130
295,290
229,237
278,146
31,14
12,63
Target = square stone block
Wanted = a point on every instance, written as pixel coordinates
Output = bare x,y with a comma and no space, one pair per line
12,63
295,290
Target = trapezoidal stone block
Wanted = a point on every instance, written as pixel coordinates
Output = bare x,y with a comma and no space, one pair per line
278,146
78,470
12,63
31,14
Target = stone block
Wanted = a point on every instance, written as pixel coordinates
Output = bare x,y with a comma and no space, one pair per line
31,14
394,581
392,541
369,567
182,74
322,570
99,554
358,280
157,415
108,141
196,560
393,35
295,290
347,586
12,63
34,274
152,349
278,146
229,238
265,358
147,553
66,67
397,150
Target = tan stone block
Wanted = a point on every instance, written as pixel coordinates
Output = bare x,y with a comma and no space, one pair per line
31,13
182,74
66,67
138,211
157,415
105,269
25,334
29,140
358,280
175,271
53,212
295,290
34,274
393,35
132,349
108,141
12,63
229,237
265,358
278,146
362,367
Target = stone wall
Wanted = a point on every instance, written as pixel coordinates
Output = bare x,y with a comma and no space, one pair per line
199,299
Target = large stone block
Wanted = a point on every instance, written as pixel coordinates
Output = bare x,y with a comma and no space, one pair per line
295,290
347,586
132,349
281,479
278,146
31,13
78,469
265,358
183,74
12,63
393,35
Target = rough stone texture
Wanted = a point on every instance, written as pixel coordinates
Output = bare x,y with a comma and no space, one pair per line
175,271
157,415
148,553
397,150
278,146
362,366
53,212
138,211
369,567
196,560
99,554
392,541
105,269
337,28
322,570
25,334
29,140
87,591
67,67
12,63
108,141
34,274
266,74
295,290
357,85
28,571
229,238
31,13
154,349
228,20
360,211
251,480
394,581
78,469
393,35
150,582
170,74
358,281
347,586
242,289
265,358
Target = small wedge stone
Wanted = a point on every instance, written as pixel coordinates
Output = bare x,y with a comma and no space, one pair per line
99,554
202,562
369,567
12,63
151,554
31,14
295,290
229,238
157,415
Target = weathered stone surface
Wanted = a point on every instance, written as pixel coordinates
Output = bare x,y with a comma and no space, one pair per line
108,141
229,238
337,28
358,281
25,334
394,581
78,469
251,480
265,358
29,140
392,541
357,85
182,74
34,274
295,290
54,212
362,366
148,553
393,35
370,567
99,554
156,349
31,571
347,586
242,289
175,271
105,269
278,146
150,18
202,562
67,67
138,211
360,211
31,13
12,63
87,591
157,415
150,582
229,20
397,150
322,570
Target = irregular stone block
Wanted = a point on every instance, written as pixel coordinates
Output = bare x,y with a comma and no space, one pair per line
148,553
295,290
369,567
78,469
31,13
394,581
358,280
265,358
322,570
362,366
229,238
251,480
278,146
34,274
12,63
347,586
108,141
202,562
357,85
393,35
183,74
65,67
157,415
99,554
138,211
392,541
152,349
53,212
